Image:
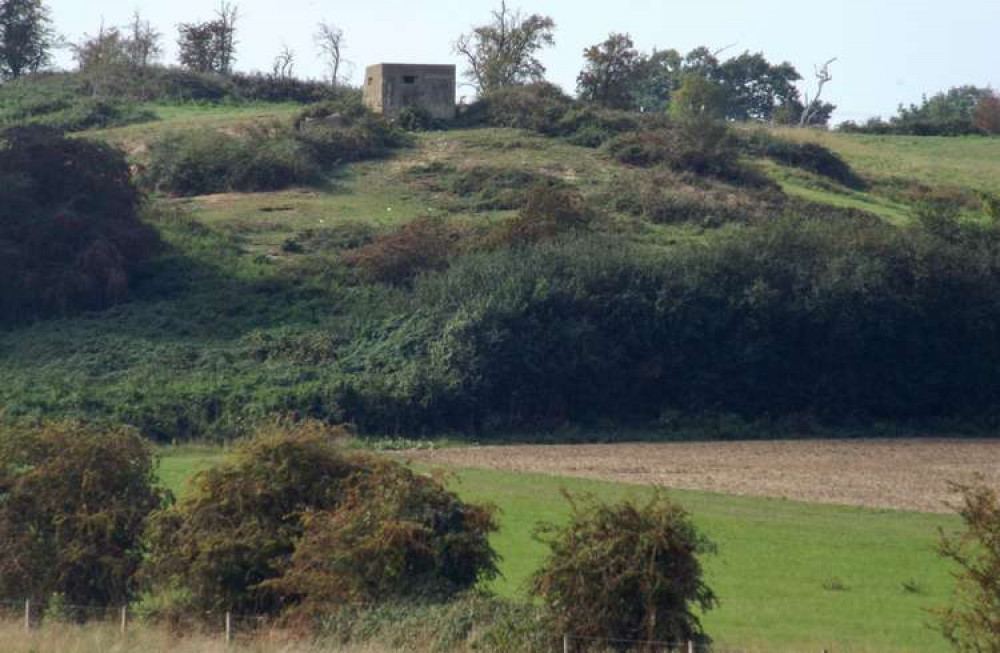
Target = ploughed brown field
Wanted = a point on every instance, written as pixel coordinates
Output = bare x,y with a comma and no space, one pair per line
906,474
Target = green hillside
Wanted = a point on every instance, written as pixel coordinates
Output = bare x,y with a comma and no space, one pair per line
268,302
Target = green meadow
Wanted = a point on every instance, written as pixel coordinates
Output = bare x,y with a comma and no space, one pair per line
791,576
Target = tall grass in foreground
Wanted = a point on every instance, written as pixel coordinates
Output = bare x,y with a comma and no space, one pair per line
107,638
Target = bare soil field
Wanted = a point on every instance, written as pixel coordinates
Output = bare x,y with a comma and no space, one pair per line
905,474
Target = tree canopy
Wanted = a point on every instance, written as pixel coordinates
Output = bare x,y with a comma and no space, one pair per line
504,52
26,37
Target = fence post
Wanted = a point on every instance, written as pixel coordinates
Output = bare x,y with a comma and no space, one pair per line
565,643
690,646
27,614
124,623
229,629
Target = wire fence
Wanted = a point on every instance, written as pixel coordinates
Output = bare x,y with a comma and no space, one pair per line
233,627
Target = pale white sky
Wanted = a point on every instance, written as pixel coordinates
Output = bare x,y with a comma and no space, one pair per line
890,51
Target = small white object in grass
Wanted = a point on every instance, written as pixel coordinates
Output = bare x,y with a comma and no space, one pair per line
389,209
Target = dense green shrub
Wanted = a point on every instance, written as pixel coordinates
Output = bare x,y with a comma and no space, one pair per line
626,572
234,541
199,163
809,156
850,321
417,119
538,107
592,127
70,235
267,157
703,148
338,132
73,503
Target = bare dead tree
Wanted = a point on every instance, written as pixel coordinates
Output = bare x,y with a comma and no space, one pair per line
716,53
225,20
284,63
823,77
143,41
330,41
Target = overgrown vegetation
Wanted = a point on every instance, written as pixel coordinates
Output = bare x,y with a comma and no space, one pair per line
70,232
73,504
294,520
972,622
575,332
626,573
267,157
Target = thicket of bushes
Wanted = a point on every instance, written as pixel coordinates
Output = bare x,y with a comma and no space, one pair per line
70,233
848,321
702,147
268,157
294,521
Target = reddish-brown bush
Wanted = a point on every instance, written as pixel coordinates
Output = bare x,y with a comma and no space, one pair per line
987,116
548,211
70,235
396,257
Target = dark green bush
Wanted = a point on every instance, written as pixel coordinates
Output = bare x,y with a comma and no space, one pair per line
590,126
849,321
538,107
199,163
266,158
417,119
70,234
812,157
704,148
626,572
338,132
73,503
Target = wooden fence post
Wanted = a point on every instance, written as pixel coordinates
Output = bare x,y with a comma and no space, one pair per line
690,646
27,614
565,643
124,621
229,629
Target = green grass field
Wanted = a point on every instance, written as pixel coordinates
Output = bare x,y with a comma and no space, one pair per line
776,572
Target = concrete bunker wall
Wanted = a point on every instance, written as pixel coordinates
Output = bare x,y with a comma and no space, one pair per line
391,87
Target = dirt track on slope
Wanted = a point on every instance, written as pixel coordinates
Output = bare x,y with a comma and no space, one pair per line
907,474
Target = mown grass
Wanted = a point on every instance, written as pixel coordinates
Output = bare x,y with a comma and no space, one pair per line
777,559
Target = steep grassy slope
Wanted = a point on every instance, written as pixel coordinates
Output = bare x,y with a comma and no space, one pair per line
252,310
